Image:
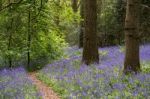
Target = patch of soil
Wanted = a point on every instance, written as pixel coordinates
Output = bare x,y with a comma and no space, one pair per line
47,92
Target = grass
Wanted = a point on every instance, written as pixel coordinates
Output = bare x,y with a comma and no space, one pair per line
52,84
146,67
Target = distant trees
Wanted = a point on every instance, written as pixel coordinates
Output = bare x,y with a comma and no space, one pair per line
110,22
120,18
90,46
28,33
132,61
145,21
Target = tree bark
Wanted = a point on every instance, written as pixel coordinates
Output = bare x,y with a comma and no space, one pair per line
90,47
1,5
132,60
29,38
10,43
82,28
75,5
10,31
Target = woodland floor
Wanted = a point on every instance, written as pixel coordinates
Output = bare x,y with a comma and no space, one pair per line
47,92
66,78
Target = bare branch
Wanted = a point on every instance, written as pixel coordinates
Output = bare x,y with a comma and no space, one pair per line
145,6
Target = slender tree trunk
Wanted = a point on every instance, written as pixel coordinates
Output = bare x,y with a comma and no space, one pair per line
0,4
29,39
32,19
81,24
10,31
132,61
90,46
9,43
57,17
75,5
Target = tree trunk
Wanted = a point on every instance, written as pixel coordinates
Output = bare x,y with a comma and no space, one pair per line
132,61
29,39
82,28
10,31
57,17
0,4
9,43
90,46
75,5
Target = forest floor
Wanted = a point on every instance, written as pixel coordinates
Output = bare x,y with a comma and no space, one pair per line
67,78
47,92
104,80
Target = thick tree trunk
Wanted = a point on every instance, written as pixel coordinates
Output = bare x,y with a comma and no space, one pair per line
132,61
90,46
75,5
81,24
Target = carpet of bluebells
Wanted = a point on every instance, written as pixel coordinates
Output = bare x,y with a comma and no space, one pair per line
15,84
102,81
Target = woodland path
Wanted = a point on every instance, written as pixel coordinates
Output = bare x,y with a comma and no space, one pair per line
47,92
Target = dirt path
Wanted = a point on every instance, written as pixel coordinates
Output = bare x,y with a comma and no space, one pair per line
46,91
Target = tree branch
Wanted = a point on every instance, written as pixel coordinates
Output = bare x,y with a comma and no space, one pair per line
145,6
9,5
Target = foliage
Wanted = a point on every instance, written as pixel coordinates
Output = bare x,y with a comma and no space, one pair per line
111,20
110,29
145,22
46,39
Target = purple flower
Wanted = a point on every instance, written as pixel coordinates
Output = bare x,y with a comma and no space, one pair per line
99,80
119,86
14,84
